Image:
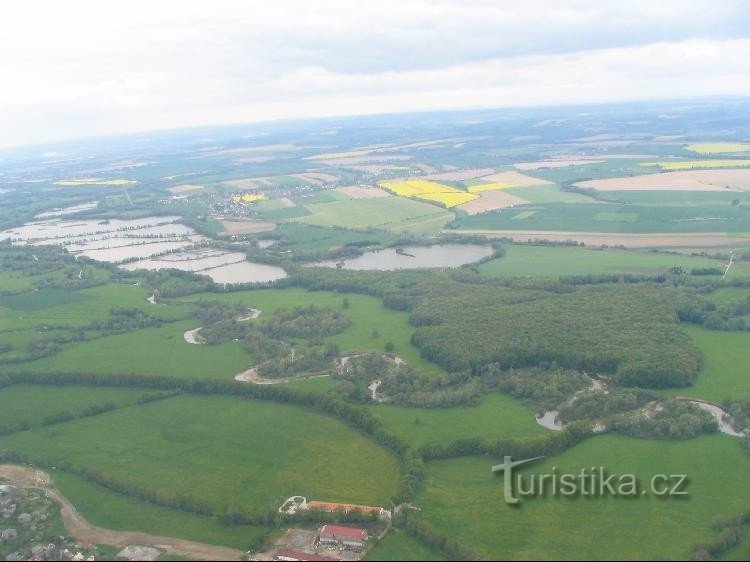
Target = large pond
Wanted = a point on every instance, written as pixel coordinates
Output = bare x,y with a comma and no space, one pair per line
414,257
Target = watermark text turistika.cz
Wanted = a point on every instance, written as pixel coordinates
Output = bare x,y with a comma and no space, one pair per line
592,481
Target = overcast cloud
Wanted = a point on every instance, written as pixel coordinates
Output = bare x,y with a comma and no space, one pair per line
79,67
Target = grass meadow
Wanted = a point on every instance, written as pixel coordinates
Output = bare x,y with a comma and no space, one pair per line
465,500
397,545
223,451
498,416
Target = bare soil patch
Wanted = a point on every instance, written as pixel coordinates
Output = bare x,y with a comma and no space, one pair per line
461,175
316,178
357,192
731,179
492,200
184,188
516,179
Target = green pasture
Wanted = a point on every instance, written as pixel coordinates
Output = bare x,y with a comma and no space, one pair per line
465,500
221,450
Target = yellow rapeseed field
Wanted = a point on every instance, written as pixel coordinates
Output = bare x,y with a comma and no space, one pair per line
691,164
718,147
445,195
249,198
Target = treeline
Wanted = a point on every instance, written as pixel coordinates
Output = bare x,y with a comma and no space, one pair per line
550,444
728,317
731,532
670,419
449,547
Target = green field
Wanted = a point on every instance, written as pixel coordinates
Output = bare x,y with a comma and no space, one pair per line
387,212
30,404
549,261
653,218
223,451
540,194
465,501
724,373
497,417
397,545
111,510
151,351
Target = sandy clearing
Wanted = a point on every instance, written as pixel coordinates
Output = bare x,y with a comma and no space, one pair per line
357,192
492,200
83,531
730,179
640,240
191,336
529,166
248,227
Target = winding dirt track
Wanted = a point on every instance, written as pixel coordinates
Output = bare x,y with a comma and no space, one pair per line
83,531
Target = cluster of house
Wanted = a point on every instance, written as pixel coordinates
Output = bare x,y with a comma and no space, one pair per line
336,538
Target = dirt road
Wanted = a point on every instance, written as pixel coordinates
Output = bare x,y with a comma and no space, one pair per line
83,531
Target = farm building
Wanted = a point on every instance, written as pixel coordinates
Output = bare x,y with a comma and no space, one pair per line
294,555
347,507
345,538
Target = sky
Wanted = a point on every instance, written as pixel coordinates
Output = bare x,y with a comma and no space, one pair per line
83,68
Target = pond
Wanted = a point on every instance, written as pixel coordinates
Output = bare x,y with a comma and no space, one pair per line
413,257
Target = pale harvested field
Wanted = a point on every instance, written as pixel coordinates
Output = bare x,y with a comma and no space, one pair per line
683,180
364,159
185,188
492,200
516,179
248,183
356,192
317,178
528,166
376,169
640,240
247,227
461,175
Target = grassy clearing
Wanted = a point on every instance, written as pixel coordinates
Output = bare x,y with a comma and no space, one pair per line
366,314
60,306
104,508
223,451
151,351
397,545
729,295
549,194
552,261
465,501
497,417
31,403
365,213
725,358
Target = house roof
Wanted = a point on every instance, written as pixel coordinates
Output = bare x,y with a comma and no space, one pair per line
339,532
